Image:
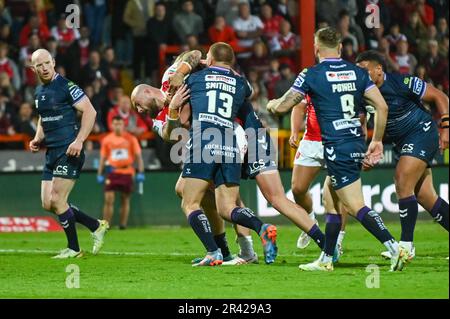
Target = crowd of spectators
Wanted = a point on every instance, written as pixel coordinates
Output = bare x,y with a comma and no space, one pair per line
117,46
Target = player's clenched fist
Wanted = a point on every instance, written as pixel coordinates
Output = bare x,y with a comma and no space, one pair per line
35,145
74,149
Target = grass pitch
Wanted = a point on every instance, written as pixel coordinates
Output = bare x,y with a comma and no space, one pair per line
155,263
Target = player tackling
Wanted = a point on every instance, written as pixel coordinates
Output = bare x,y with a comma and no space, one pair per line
57,101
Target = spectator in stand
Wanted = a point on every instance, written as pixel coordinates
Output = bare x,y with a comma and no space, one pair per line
282,9
422,48
402,61
25,123
414,30
285,82
248,28
159,33
6,112
95,70
5,33
97,101
348,53
395,36
259,99
440,8
112,96
6,87
134,124
259,60
229,9
272,77
136,15
374,36
8,66
34,26
443,47
95,13
426,12
344,29
437,66
64,35
77,55
271,22
326,10
109,63
187,22
5,15
34,43
192,43
285,45
221,32
442,29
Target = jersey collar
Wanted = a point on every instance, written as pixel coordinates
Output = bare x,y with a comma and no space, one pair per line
331,60
220,68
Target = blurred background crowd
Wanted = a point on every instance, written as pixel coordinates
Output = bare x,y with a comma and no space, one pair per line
118,42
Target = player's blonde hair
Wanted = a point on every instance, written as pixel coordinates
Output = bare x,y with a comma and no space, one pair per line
328,38
222,52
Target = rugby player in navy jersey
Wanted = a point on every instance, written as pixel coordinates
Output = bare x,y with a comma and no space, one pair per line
416,140
338,90
216,95
57,102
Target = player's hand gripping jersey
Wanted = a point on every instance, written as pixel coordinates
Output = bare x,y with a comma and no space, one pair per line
337,89
409,126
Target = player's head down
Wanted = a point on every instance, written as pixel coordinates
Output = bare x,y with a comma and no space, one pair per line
222,53
374,63
146,98
327,43
43,65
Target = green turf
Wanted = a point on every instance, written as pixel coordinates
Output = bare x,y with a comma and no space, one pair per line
165,271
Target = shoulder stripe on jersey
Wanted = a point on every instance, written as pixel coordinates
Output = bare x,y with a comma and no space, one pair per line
370,87
424,89
298,90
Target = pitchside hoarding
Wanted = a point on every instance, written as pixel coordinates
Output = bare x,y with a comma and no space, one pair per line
159,205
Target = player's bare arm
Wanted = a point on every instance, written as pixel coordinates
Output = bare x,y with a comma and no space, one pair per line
187,63
374,98
35,143
282,105
87,123
433,95
140,162
174,120
297,123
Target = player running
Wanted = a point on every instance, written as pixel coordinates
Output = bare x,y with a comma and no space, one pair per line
416,140
333,83
216,95
308,162
57,102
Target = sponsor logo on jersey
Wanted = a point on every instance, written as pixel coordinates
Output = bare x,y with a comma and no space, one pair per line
220,78
52,118
345,124
214,119
341,76
257,166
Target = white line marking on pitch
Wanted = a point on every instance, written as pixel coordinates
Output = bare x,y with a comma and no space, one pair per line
138,253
